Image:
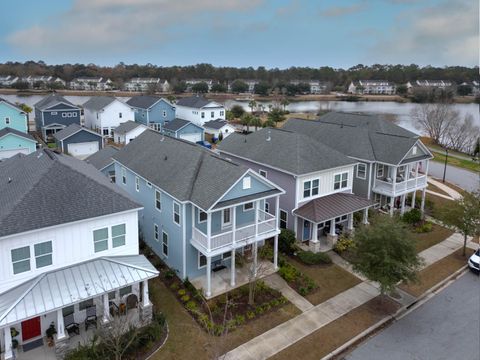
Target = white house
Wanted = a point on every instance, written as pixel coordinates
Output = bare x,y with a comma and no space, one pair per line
372,87
91,83
217,127
128,131
430,84
191,82
105,113
8,80
199,110
59,265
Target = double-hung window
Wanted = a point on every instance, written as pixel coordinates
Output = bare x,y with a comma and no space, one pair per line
202,216
340,181
380,170
164,243
43,254
212,114
222,113
203,115
158,200
226,219
248,206
7,121
362,171
21,259
118,235
176,213
283,219
137,183
124,175
100,239
155,232
310,188
202,260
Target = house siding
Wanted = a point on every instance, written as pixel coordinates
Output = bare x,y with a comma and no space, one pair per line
14,142
61,117
155,113
191,129
18,120
360,186
80,137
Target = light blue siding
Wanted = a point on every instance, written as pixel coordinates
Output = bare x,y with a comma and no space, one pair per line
12,142
191,129
161,112
17,119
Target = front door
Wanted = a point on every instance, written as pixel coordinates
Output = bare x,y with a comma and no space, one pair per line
31,329
306,230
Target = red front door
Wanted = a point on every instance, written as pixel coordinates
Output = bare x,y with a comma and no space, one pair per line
31,328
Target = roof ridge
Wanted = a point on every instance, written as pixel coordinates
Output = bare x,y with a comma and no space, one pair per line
112,259
198,165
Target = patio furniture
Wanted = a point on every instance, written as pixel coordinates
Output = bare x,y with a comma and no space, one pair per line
217,266
70,325
91,318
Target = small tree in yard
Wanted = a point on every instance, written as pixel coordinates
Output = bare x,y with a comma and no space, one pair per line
117,336
385,252
464,214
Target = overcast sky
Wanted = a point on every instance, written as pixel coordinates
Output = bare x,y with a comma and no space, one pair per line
271,33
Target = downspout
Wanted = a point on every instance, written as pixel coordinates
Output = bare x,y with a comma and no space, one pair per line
184,243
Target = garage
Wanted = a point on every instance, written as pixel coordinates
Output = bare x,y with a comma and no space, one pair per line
4,154
192,137
14,142
82,149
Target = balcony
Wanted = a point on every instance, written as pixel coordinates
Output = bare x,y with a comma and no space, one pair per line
390,188
230,238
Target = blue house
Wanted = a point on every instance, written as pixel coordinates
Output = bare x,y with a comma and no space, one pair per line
78,141
102,160
184,129
14,142
152,111
200,211
53,113
12,116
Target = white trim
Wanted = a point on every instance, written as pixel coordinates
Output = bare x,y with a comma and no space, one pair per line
198,260
253,206
76,132
156,191
341,175
173,213
358,167
198,217
280,219
137,184
19,136
184,241
157,232
226,224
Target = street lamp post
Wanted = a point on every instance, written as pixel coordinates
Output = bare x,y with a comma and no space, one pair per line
445,167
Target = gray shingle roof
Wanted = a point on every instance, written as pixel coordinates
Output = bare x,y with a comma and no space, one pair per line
11,104
70,130
366,140
292,152
51,100
193,101
187,171
45,189
102,157
126,126
144,101
215,124
7,130
97,103
176,124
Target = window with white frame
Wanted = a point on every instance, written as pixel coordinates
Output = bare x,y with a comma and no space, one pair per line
7,121
377,200
43,254
164,243
164,113
149,184
158,200
85,304
137,183
120,115
267,207
125,291
380,170
100,239
341,218
310,188
21,259
53,113
362,171
247,182
414,150
262,173
212,114
226,219
118,235
124,176
283,219
202,216
176,213
202,260
340,181
106,132
202,115
155,232
248,206
222,112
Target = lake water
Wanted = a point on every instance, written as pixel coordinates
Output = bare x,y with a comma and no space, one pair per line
398,112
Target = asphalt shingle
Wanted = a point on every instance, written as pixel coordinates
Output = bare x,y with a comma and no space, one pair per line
51,100
102,157
7,130
97,103
144,101
193,102
70,130
126,127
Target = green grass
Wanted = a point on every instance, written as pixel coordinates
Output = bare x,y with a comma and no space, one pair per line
461,163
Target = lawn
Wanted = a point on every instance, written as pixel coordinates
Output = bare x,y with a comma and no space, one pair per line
330,279
426,240
432,187
461,163
433,274
328,338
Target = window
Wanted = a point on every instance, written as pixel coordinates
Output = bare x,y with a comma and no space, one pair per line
202,260
85,304
414,150
105,132
158,200
315,187
53,113
212,114
283,219
377,200
164,243
267,207
262,173
124,176
310,188
248,206
21,259
100,239
118,235
340,181
176,213
149,184
362,171
43,254
380,170
247,182
68,310
341,218
126,290
112,295
226,219
226,255
222,113
164,113
203,115
202,216
137,183
120,115
7,121
155,232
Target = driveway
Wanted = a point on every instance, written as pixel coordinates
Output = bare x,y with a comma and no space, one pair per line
467,180
444,328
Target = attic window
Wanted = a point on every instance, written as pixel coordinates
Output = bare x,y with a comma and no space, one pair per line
247,183
414,150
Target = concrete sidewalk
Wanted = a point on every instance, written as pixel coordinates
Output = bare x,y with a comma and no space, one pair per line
454,194
276,282
442,249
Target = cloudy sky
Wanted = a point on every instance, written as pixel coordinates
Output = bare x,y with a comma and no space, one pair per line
271,33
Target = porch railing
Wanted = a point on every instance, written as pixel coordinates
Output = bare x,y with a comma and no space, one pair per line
243,233
402,186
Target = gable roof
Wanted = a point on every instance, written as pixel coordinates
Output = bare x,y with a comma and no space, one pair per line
12,105
216,124
98,103
51,100
102,158
366,137
46,189
126,127
145,101
177,124
184,170
72,129
7,131
197,102
286,150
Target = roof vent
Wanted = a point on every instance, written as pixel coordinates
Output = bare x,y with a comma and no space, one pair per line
268,135
9,180
165,158
162,138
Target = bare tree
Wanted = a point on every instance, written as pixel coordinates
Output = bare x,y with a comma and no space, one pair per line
435,120
461,135
256,270
118,335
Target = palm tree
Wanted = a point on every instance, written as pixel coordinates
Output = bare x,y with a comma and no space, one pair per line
246,120
269,123
252,105
285,103
256,122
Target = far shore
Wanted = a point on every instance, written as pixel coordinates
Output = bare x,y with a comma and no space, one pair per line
228,96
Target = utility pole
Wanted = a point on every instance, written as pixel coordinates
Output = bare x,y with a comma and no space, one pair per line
445,167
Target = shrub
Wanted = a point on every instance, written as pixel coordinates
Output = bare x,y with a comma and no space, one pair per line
310,258
266,252
191,305
250,314
174,286
185,298
412,217
181,292
343,244
240,319
288,272
424,228
169,274
286,241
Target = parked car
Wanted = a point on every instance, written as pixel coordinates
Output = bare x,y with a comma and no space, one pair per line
205,144
474,261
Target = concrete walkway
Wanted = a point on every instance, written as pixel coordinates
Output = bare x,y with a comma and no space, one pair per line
288,333
442,249
276,282
454,194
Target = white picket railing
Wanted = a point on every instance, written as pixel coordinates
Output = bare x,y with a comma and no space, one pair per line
406,185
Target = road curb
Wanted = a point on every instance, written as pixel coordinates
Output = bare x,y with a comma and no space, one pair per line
400,313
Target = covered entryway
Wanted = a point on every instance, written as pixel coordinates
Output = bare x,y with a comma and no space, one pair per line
83,149
192,137
31,329
4,154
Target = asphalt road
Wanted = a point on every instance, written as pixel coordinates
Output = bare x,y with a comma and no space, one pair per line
447,327
467,180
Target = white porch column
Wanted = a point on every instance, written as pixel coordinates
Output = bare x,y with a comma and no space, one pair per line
414,195
255,258
315,232
392,203
60,325
209,230
422,205
365,216
232,269
8,343
145,295
332,227
106,309
209,277
402,207
232,265
275,252
350,222
277,211
257,207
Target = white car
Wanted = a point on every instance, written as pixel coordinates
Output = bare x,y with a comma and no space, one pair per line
474,261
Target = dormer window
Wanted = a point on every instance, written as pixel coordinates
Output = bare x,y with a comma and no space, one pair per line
247,182
414,150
